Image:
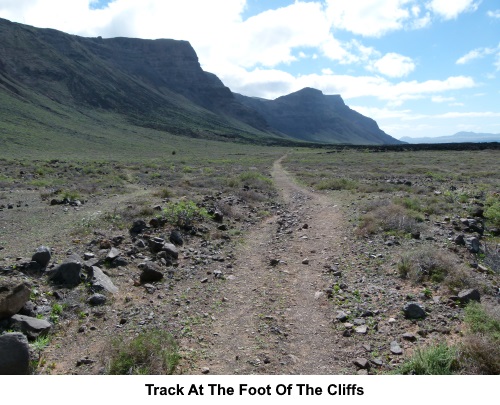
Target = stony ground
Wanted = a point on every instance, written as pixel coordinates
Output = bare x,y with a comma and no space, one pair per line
293,291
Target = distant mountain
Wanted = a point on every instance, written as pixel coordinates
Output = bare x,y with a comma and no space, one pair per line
48,77
309,115
459,137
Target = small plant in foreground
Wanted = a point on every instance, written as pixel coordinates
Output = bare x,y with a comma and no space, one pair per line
434,360
152,352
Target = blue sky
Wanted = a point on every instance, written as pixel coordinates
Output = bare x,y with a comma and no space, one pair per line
419,67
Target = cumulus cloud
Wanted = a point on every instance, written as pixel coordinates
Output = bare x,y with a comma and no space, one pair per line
368,17
449,10
394,65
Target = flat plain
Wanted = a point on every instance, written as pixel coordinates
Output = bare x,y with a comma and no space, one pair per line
292,261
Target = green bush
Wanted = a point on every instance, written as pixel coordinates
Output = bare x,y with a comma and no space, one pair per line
434,360
152,352
183,213
492,212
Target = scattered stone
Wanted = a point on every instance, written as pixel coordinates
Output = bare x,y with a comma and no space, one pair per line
361,330
318,295
120,261
69,273
138,226
150,272
217,216
88,255
14,354
156,244
459,240
465,296
395,348
42,256
362,363
29,309
100,281
347,332
472,244
410,337
150,288
305,261
413,310
97,300
85,361
274,262
341,316
31,327
13,295
171,250
176,238
112,254
377,362
205,370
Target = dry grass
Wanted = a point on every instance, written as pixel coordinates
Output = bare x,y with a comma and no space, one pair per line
389,217
435,266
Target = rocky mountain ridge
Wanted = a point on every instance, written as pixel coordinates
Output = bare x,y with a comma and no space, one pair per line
160,84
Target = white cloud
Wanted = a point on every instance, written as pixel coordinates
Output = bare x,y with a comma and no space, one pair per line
394,65
481,53
441,99
452,9
494,13
474,54
369,17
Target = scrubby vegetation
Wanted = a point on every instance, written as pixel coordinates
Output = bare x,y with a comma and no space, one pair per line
151,352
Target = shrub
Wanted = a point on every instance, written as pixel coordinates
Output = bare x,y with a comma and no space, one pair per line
434,360
183,213
251,179
389,217
423,265
481,347
152,352
492,211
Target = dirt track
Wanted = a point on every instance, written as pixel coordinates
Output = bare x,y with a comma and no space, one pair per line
278,319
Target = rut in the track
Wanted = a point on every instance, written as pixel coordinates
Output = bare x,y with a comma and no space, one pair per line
277,320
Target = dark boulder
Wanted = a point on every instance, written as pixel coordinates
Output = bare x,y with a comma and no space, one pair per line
14,354
413,310
69,273
31,327
42,256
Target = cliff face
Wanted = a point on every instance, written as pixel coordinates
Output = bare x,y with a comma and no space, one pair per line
310,115
160,83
